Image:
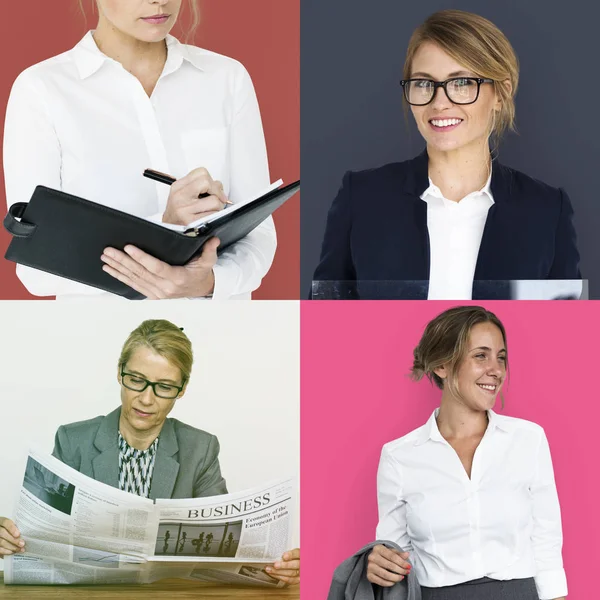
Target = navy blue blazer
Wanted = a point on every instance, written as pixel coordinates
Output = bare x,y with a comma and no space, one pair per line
377,228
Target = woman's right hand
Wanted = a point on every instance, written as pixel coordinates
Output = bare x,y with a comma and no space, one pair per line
184,206
10,538
387,566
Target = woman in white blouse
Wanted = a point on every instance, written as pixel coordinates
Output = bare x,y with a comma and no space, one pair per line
470,496
453,216
129,97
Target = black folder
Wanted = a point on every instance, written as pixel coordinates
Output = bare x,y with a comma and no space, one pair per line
66,235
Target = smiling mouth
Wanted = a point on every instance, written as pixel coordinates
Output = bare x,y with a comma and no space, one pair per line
488,387
445,124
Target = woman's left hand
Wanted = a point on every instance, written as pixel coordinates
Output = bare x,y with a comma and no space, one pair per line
288,568
156,279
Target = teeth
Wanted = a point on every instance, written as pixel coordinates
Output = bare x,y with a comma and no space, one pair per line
487,387
445,122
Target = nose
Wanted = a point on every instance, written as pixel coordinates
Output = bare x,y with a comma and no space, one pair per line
147,396
496,369
440,99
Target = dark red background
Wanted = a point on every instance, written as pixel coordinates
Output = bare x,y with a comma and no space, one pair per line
262,34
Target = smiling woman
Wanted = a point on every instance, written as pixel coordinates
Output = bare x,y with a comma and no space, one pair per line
469,496
449,211
129,96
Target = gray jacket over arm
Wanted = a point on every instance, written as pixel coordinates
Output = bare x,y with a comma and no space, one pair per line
350,580
186,463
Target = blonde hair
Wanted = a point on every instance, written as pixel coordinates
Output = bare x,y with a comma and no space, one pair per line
479,45
445,341
193,5
165,339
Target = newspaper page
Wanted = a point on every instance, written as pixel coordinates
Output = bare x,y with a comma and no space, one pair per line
250,529
77,530
80,531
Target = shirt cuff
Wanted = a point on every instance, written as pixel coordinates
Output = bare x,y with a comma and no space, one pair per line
551,584
225,282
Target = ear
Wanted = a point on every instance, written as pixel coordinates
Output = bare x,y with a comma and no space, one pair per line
507,85
441,372
181,394
119,374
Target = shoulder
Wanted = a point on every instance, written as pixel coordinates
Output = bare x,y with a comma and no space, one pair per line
395,173
399,447
521,426
82,429
191,437
213,62
527,188
36,75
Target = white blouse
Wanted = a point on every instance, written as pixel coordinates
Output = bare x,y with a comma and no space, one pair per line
503,523
81,123
455,232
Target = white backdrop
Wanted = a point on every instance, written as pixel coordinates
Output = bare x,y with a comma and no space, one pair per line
58,364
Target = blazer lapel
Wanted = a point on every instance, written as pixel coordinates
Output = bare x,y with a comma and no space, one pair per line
166,467
106,464
491,259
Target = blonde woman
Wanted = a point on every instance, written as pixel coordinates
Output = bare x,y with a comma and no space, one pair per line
136,447
127,97
470,496
452,215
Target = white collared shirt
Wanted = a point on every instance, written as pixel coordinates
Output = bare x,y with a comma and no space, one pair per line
455,232
503,522
81,123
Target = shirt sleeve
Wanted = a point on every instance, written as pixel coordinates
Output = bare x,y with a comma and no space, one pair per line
209,481
32,157
392,506
550,579
240,268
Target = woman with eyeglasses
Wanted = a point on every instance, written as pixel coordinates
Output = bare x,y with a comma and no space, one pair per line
453,215
128,97
137,448
470,496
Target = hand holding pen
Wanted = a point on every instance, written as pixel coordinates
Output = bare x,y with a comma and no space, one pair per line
192,197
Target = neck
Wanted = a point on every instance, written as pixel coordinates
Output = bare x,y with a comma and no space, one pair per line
457,421
140,440
135,55
460,172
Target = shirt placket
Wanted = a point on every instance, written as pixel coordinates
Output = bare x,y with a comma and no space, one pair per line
145,108
474,509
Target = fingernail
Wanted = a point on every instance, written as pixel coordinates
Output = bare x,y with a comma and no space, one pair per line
108,252
21,543
277,565
286,556
269,569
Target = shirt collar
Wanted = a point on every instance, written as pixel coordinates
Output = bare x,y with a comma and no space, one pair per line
88,58
430,430
434,190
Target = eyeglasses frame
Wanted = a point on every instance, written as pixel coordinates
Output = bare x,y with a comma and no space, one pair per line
443,84
152,384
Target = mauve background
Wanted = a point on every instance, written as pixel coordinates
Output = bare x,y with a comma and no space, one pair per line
356,396
352,114
262,34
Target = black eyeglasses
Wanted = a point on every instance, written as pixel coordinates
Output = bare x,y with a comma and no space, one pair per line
139,384
459,90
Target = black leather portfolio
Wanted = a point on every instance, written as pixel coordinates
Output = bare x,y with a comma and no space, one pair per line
66,235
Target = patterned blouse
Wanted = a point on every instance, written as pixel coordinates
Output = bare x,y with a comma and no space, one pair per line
136,467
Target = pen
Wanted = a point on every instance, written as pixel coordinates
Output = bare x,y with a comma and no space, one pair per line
168,180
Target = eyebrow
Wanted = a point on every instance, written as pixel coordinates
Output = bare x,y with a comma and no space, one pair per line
487,349
450,75
134,372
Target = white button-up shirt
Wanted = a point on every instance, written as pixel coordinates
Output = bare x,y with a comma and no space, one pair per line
81,123
455,232
503,522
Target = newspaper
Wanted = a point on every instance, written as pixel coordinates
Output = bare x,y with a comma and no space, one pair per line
79,531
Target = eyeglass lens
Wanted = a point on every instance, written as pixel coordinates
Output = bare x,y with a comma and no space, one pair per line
460,91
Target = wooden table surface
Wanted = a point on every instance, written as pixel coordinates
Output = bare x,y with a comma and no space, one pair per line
167,588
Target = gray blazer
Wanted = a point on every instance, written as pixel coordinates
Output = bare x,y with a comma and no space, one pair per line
186,463
350,580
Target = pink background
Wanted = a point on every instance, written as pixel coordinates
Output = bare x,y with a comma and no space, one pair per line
356,397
